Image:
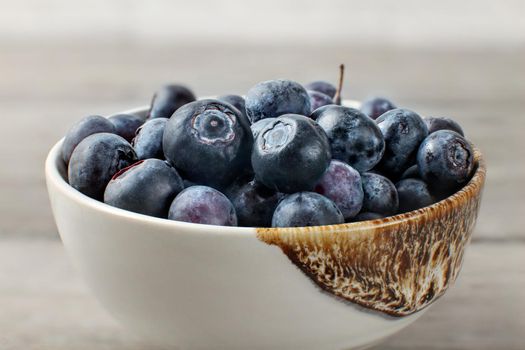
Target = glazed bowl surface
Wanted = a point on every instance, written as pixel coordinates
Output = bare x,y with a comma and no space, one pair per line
193,286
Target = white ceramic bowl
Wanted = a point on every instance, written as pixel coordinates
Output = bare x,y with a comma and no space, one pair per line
210,287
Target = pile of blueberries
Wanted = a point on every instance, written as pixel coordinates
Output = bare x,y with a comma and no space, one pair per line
283,156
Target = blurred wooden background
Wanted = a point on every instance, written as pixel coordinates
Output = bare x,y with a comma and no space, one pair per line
62,60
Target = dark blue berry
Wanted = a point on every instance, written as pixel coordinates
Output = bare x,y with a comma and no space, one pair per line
291,154
188,183
209,142
445,160
203,205
319,111
254,203
413,194
90,125
259,125
411,173
236,101
403,131
147,187
306,209
354,138
323,87
380,194
95,160
148,141
376,106
273,98
240,181
441,123
342,184
126,125
168,99
365,216
318,99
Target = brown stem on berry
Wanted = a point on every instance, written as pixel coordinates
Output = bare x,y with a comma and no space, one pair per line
337,96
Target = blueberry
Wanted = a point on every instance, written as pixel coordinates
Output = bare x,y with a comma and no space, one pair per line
403,131
291,154
365,216
441,123
273,98
203,205
411,173
319,111
148,141
209,142
95,160
236,185
413,194
236,101
445,160
342,184
168,99
126,125
354,138
90,125
259,125
147,187
306,209
380,194
188,183
376,106
323,87
318,99
254,204
376,171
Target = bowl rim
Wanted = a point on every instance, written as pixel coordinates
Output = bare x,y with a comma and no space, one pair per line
54,177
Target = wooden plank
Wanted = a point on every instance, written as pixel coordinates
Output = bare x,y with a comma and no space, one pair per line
45,305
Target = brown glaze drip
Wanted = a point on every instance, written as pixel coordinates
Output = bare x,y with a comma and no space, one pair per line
397,265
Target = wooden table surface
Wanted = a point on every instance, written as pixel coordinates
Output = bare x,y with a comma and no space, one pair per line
45,87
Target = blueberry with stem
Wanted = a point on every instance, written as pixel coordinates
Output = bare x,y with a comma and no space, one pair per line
318,99
337,96
322,87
